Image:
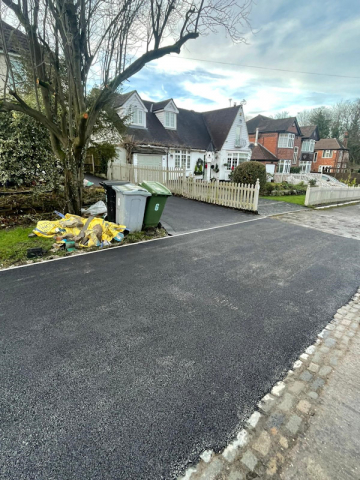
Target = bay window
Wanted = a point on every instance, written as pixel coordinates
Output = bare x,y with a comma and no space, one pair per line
305,167
286,140
234,159
284,166
308,146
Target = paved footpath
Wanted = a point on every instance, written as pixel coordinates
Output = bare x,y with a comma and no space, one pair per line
308,426
344,221
330,450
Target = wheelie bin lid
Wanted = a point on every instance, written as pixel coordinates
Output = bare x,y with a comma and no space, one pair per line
156,188
131,189
110,183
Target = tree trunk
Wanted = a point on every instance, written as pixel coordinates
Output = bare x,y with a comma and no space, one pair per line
73,183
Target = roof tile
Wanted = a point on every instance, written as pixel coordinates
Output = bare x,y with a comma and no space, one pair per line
329,144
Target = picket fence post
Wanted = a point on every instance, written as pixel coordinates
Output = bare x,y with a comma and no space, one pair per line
256,195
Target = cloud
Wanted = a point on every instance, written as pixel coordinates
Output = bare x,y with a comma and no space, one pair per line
312,36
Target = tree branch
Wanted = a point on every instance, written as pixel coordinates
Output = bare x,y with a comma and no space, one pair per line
135,67
22,107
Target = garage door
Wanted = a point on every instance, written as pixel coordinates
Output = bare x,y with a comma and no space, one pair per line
149,160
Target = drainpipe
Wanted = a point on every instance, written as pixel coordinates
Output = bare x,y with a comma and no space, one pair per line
256,137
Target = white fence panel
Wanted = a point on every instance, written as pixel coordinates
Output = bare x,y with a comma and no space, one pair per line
295,178
241,196
326,195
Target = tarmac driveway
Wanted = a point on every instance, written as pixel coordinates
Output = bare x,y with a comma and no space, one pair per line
182,215
269,207
127,364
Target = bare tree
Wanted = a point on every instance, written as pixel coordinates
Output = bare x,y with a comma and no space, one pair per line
75,44
283,114
303,117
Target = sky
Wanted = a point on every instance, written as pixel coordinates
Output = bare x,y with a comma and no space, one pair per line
321,36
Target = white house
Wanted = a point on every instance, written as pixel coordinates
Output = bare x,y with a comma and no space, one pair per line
15,42
167,136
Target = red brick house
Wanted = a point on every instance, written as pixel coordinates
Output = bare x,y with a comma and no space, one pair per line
330,155
281,137
310,135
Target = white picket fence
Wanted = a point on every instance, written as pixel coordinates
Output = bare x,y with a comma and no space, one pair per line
326,195
241,196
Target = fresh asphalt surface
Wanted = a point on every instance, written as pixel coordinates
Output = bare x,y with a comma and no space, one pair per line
273,207
127,364
183,215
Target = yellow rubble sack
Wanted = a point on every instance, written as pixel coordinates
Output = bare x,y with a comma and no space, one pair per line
73,224
46,229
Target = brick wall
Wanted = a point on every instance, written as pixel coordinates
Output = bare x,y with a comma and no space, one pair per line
270,141
331,162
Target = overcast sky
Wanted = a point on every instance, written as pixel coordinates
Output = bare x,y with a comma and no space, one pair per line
309,35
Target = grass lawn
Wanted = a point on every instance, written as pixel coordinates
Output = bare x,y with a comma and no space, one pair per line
14,243
298,199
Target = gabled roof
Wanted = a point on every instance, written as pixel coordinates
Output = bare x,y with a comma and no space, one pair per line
309,130
191,131
260,153
15,40
161,105
219,123
269,125
121,98
329,144
204,131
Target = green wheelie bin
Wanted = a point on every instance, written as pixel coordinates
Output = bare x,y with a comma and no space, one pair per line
156,203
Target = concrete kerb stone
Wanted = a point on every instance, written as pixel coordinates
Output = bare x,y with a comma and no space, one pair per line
259,448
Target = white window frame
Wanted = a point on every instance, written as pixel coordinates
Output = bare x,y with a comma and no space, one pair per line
321,167
308,145
238,136
183,158
284,166
305,167
327,154
296,152
136,116
234,159
286,140
315,157
170,121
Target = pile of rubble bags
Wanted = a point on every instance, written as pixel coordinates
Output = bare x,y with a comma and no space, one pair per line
72,232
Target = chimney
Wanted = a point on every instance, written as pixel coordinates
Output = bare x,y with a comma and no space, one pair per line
345,141
230,100
256,137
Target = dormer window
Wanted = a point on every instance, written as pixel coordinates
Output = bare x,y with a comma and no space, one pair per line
167,113
135,115
170,120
